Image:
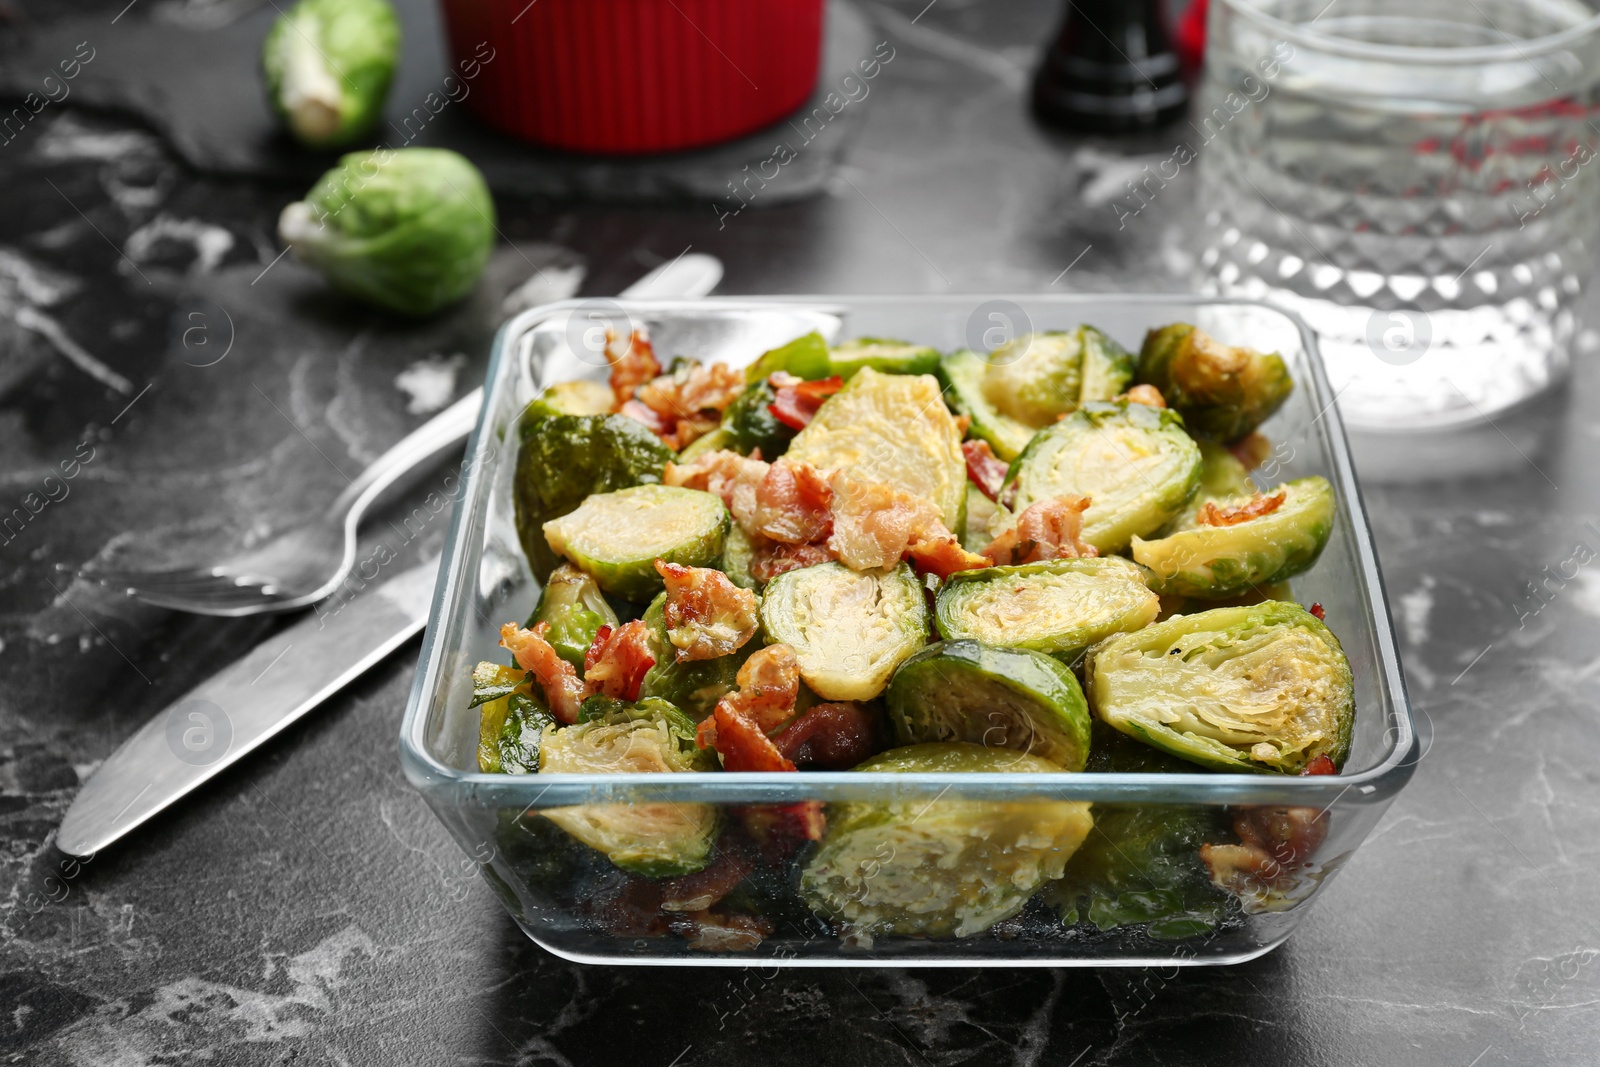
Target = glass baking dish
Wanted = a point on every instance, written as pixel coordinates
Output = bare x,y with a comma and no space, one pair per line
581,908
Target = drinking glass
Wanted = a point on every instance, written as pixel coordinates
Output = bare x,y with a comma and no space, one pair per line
1418,181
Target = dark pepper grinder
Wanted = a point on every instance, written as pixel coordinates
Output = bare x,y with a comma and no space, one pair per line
1112,69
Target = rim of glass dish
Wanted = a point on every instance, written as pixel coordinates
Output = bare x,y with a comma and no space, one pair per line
1510,51
1381,781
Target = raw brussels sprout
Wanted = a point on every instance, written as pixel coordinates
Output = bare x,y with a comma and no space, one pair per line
1134,462
575,609
511,721
328,65
1060,607
738,552
749,424
564,458
881,354
980,512
693,685
1223,391
1216,562
657,840
1258,688
581,397
891,428
945,868
617,537
961,374
408,230
997,697
1108,368
804,357
1036,378
849,629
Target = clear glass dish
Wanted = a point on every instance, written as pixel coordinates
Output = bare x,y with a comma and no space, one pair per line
578,912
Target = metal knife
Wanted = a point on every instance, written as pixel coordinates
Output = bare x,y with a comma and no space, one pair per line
243,706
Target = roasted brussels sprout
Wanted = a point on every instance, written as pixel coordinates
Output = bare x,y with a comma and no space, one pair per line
1261,540
509,733
881,354
651,736
980,512
1108,368
1223,391
579,397
564,458
1134,462
942,868
849,629
749,424
695,686
738,552
891,428
804,357
575,609
408,230
492,681
1060,607
1036,378
617,537
962,373
1258,688
997,697
328,65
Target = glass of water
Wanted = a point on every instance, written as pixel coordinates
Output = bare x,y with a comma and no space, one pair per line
1418,180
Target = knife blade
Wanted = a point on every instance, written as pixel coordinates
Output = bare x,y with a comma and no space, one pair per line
242,706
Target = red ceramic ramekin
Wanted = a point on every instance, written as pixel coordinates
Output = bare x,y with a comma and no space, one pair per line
634,76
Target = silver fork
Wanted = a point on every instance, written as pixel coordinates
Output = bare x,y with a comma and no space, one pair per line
302,565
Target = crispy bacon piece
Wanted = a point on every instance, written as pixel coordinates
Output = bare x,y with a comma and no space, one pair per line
1259,505
632,364
563,689
984,468
702,889
874,524
700,387
793,504
1323,764
773,558
1317,610
707,615
1145,394
944,556
1252,450
796,401
1276,843
834,737
1047,530
734,478
963,424
769,684
616,663
709,931
653,422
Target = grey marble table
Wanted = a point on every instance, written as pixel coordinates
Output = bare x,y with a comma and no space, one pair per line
308,909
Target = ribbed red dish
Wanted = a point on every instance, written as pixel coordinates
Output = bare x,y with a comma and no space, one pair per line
634,76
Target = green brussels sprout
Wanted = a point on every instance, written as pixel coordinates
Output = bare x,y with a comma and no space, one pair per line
749,424
328,65
1108,368
946,868
804,357
1134,462
961,374
849,629
997,697
1035,378
1217,562
1060,607
738,553
658,840
573,605
891,428
980,512
407,230
1223,391
617,537
581,397
510,722
492,681
883,355
692,685
1264,687
564,458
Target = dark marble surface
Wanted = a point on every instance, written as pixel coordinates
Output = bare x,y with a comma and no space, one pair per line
308,908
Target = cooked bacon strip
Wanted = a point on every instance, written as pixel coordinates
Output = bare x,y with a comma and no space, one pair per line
835,737
632,364
653,422
707,615
563,689
984,469
793,505
1145,394
769,684
1275,844
700,387
773,558
796,402
616,663
944,556
699,891
1259,505
874,524
734,478
963,424
1317,610
1050,529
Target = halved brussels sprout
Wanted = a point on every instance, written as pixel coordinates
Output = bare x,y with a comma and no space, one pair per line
881,354
492,681
962,375
980,512
328,65
573,605
1036,378
564,458
849,629
509,726
804,357
1134,462
1258,688
891,428
692,685
617,537
657,840
1108,368
749,424
581,397
1060,607
1216,562
997,697
1223,391
943,868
